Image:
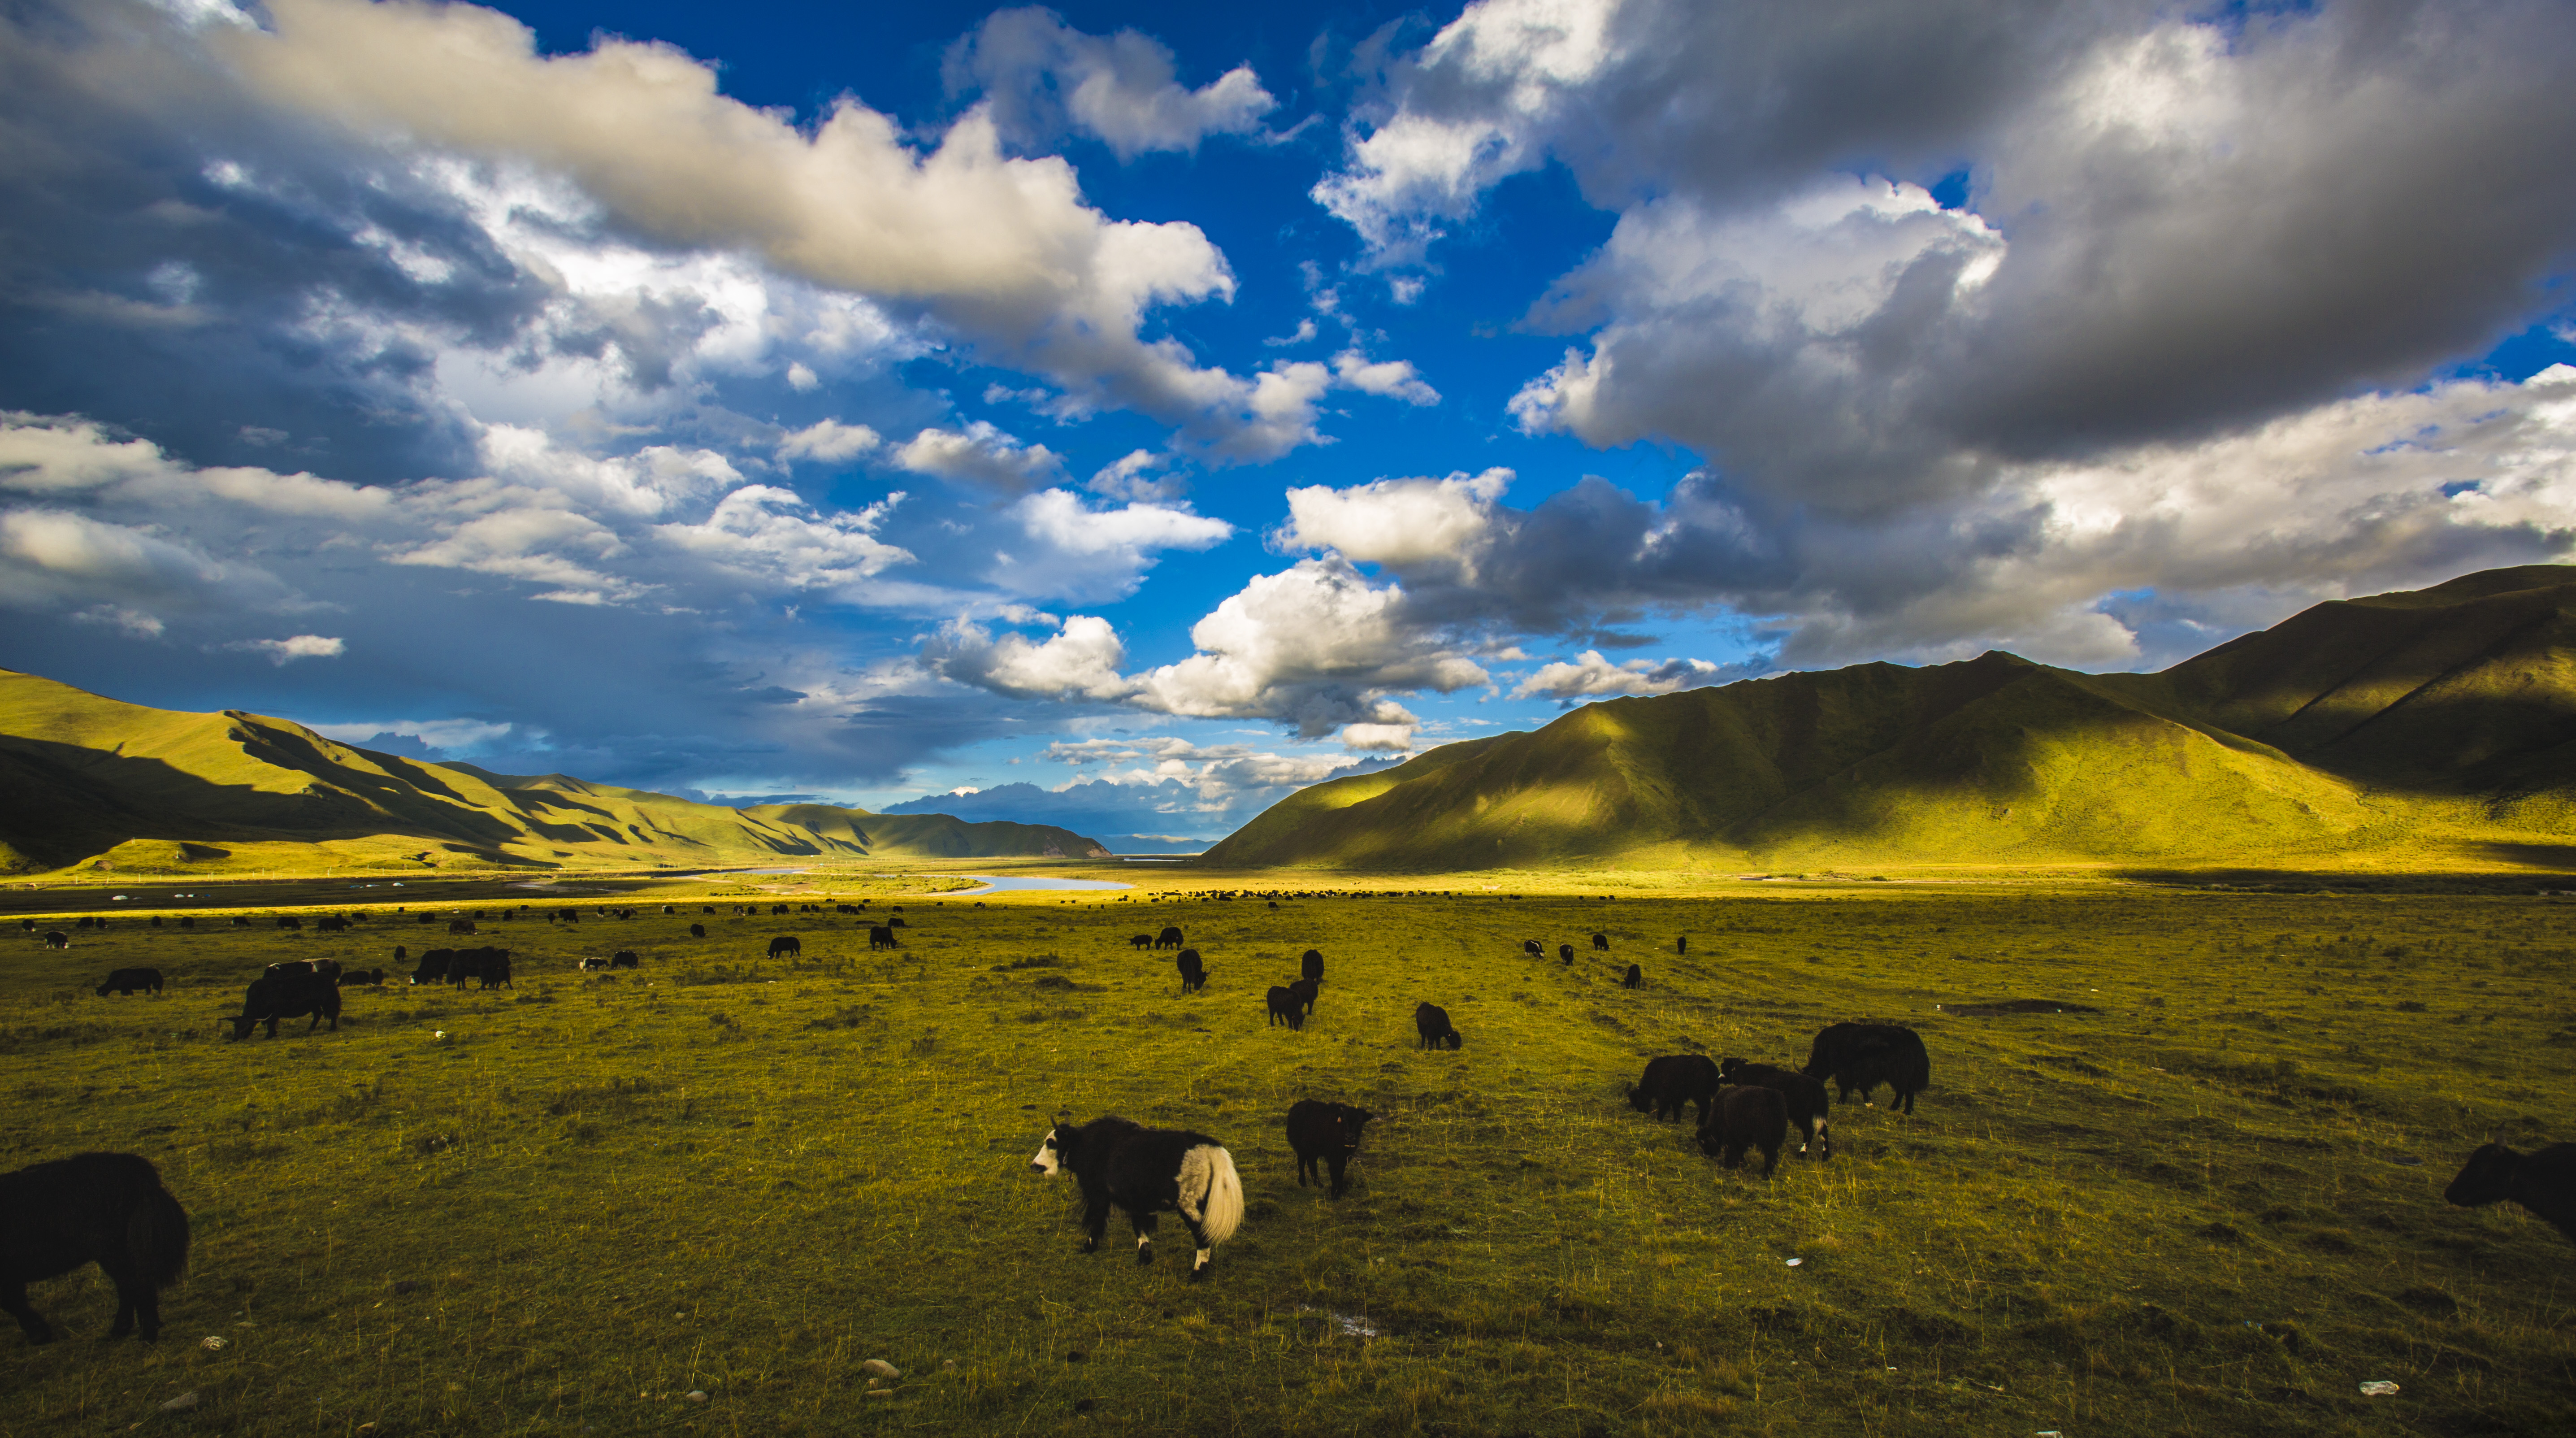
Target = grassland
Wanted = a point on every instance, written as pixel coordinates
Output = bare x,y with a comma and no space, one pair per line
2211,1206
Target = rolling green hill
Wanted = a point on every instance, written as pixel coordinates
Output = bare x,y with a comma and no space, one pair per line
2432,726
91,783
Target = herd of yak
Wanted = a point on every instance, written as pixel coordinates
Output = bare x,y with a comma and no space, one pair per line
113,1210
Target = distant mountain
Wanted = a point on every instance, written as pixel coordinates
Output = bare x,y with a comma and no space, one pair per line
90,782
1108,810
2413,726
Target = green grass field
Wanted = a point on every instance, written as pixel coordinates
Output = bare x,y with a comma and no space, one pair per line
2211,1207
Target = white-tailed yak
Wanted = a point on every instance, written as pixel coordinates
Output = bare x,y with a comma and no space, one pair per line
1147,1171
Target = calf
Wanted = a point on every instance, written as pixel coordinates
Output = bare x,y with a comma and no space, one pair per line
1805,1098
2544,1182
881,936
284,993
624,959
786,944
1193,972
1431,1022
1311,965
1745,1117
1863,1056
1328,1133
104,1208
126,981
1672,1081
1140,941
1286,1008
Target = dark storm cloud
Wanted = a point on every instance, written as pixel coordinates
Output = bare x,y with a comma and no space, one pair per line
181,264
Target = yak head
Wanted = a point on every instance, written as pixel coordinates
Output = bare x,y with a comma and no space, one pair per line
1051,1155
2484,1179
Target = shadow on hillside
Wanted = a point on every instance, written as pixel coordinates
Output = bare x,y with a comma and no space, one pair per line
2297,881
67,802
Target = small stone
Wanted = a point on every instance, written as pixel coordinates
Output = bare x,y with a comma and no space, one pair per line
948,1365
880,1393
182,1403
880,1368
212,1341
697,1395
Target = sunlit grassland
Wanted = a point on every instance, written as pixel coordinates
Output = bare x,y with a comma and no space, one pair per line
2191,1212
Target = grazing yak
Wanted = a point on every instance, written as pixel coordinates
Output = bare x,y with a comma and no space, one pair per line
786,944
57,939
1431,1023
1746,1116
1328,1133
624,959
460,926
697,931
1140,941
1863,1056
126,981
1635,978
1672,1081
363,979
1286,1007
1306,991
1533,948
1147,1171
104,1208
881,936
1600,943
2544,1182
1310,965
1193,971
1170,938
331,924
289,991
289,921
1804,1097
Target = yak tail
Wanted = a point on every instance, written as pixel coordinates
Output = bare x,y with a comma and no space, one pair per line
1221,1201
156,1237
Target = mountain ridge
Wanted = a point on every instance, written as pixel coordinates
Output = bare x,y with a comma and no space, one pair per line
97,783
2416,723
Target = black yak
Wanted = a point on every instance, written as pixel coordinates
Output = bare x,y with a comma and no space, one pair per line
1863,1056
126,981
1193,971
1286,1007
786,944
1170,938
2544,1182
1805,1098
1431,1023
1672,1081
1325,1132
1745,1116
104,1208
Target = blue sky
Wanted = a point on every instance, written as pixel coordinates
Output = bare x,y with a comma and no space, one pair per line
1138,411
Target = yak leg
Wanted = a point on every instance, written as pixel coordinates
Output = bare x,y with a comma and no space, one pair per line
1095,1222
13,1301
1144,1236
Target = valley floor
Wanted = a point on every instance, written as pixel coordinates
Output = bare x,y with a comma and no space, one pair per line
2209,1205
